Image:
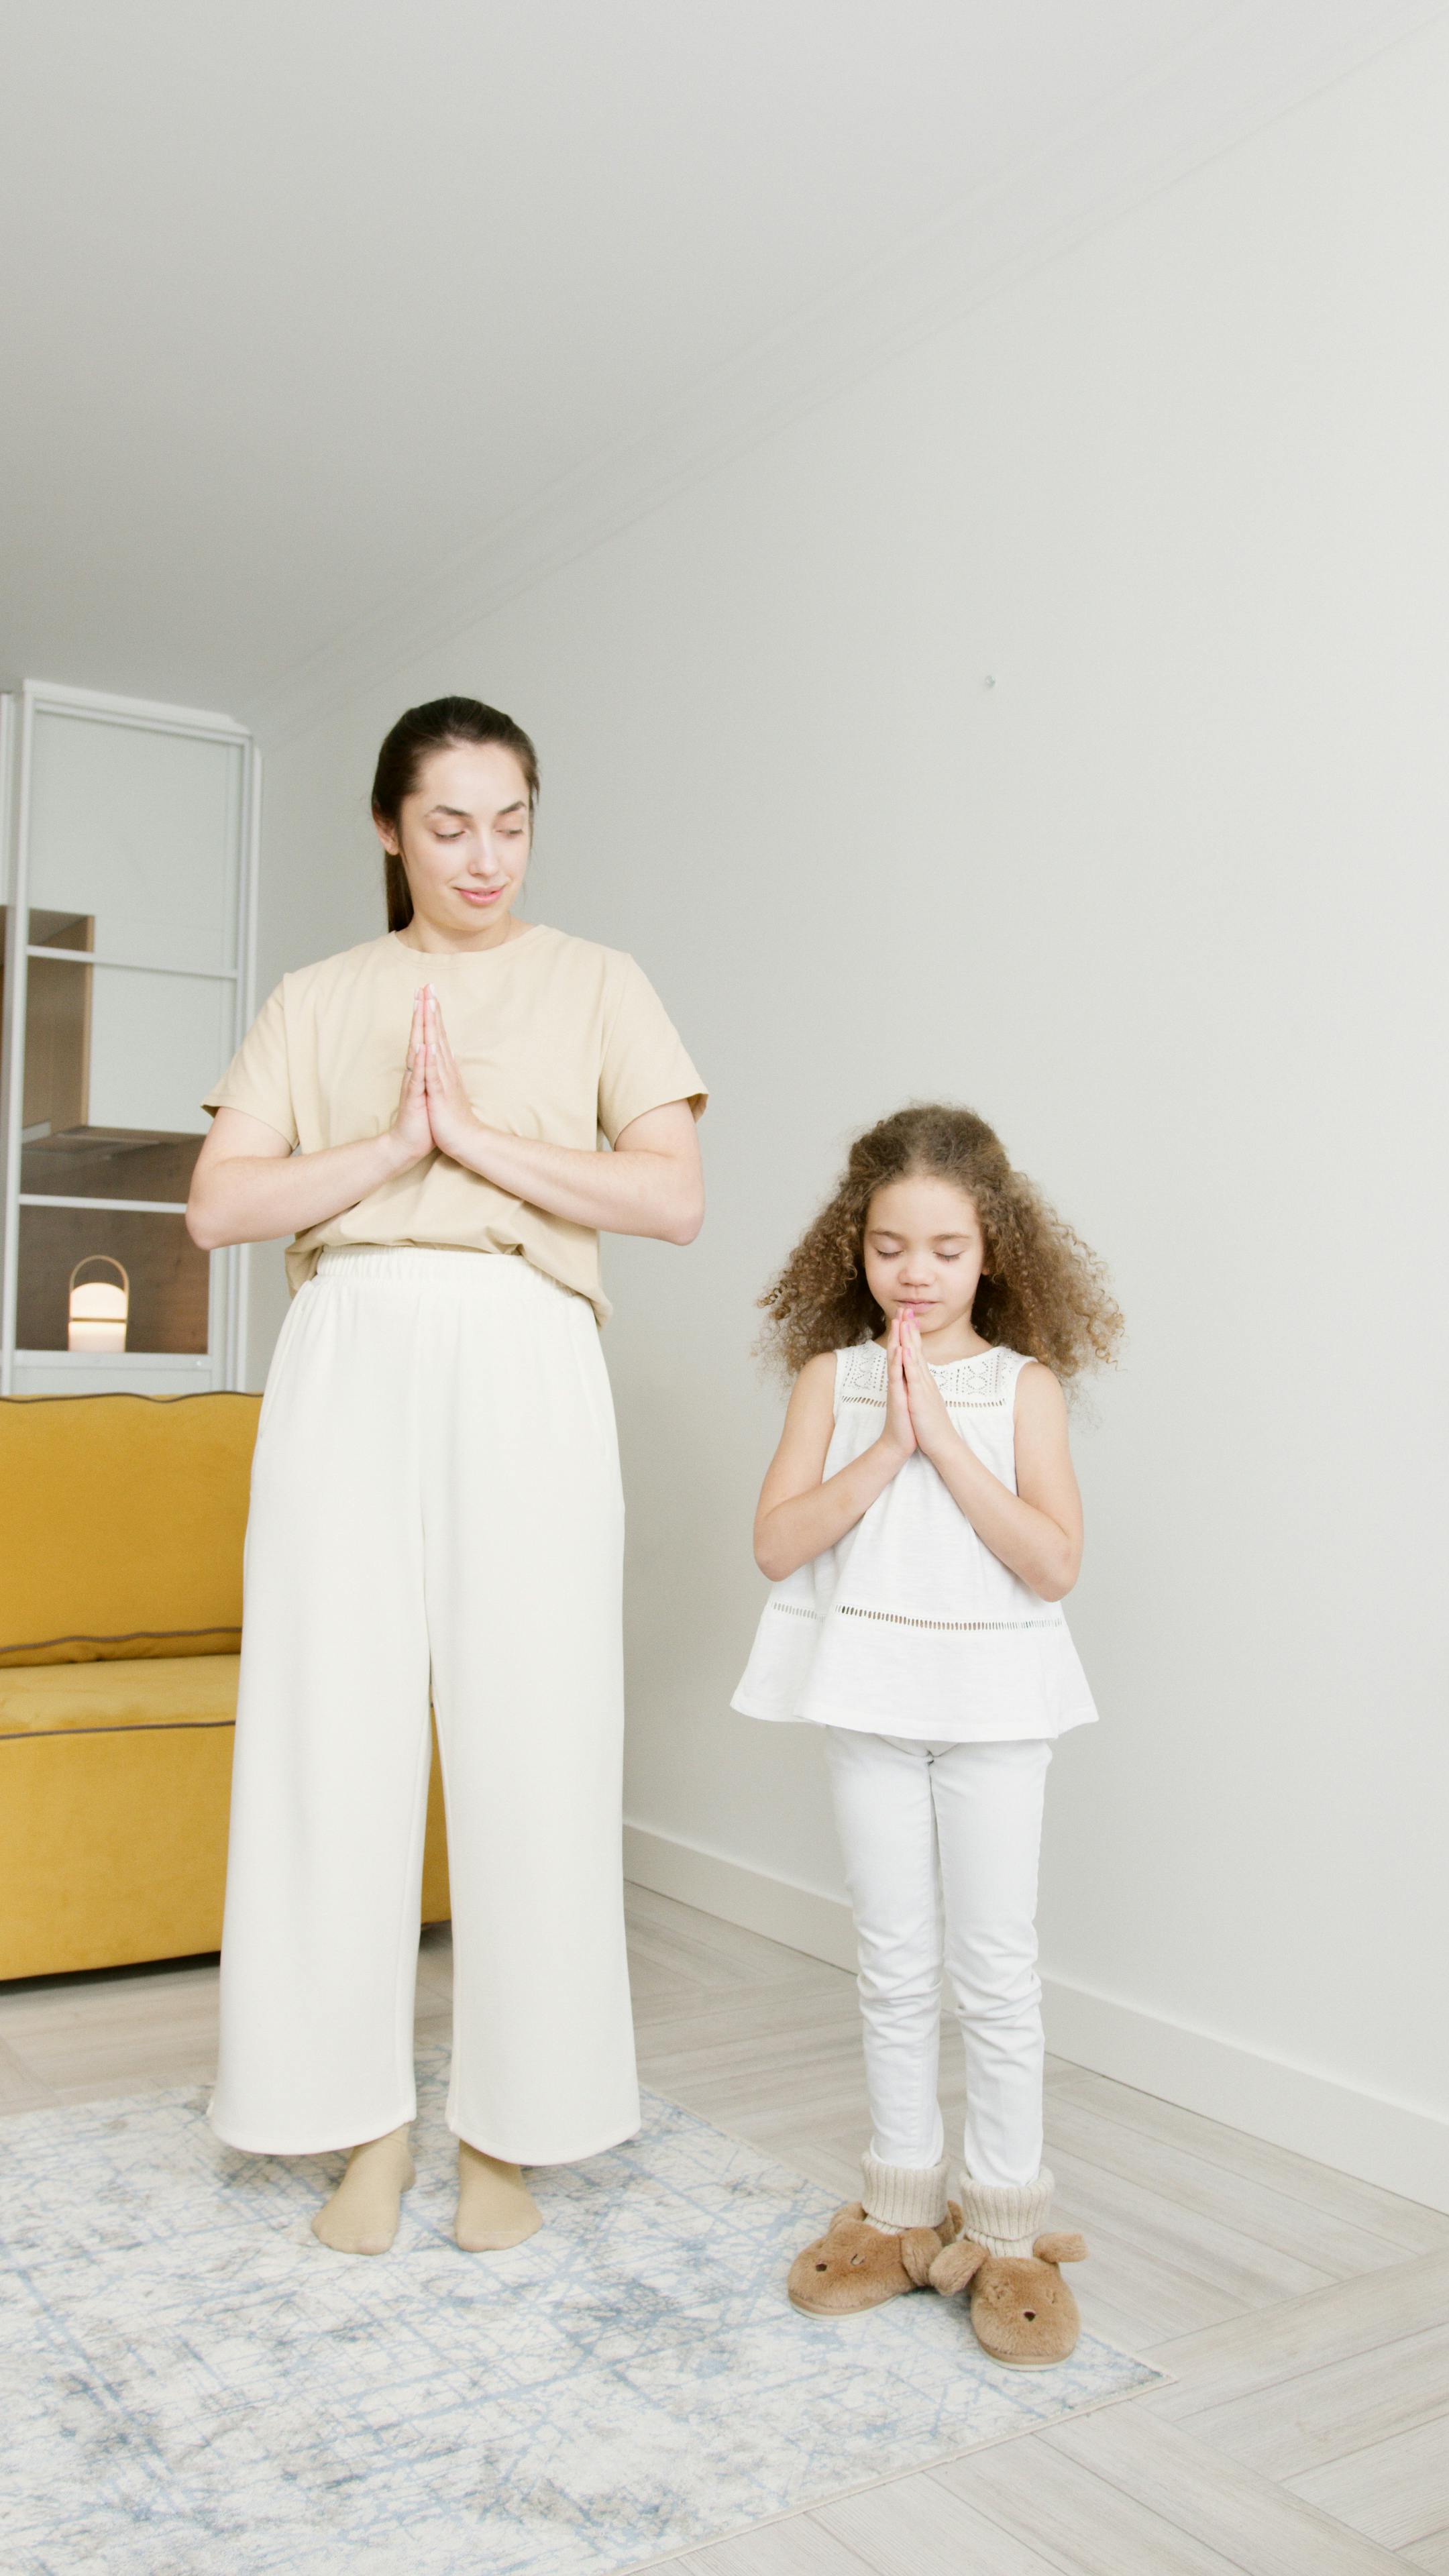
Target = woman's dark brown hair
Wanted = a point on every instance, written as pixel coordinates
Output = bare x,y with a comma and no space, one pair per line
1042,1290
435,727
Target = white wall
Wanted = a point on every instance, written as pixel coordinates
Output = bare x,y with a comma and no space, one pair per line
1162,903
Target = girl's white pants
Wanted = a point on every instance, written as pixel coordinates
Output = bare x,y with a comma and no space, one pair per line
953,1829
435,1500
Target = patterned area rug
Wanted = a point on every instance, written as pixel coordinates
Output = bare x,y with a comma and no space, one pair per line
193,2384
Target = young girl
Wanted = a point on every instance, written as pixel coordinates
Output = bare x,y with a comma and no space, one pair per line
921,1526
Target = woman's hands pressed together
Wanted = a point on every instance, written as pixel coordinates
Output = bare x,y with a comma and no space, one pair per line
453,1124
411,1130
433,1109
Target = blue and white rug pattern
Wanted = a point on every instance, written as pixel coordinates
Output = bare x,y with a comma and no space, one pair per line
193,2386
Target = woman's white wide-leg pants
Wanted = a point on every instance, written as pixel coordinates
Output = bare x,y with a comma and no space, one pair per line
435,1497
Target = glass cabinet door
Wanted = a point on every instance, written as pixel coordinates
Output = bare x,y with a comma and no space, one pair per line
129,871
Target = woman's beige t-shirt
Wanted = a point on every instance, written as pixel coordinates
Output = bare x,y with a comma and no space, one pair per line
554,1037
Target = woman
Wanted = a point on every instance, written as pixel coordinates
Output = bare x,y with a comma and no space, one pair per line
435,1501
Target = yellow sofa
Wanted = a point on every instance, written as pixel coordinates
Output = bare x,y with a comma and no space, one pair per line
120,1622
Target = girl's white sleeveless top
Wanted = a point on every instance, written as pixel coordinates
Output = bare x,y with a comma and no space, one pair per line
909,1625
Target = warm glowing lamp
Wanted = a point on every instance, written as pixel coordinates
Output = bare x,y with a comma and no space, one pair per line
98,1308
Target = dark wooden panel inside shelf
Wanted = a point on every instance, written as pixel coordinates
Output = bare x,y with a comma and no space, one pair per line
170,1279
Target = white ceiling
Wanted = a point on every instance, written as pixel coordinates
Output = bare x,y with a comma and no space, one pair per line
306,300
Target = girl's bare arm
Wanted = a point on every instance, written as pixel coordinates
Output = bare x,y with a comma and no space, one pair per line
799,1517
1037,1531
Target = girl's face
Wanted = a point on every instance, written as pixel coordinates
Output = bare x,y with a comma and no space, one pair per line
924,1248
465,837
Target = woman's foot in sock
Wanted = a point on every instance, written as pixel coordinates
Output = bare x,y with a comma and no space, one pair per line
495,2208
361,2216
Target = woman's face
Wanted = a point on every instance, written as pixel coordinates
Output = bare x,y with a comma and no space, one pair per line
465,837
924,1248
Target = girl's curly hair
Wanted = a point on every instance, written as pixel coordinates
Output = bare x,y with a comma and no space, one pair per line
1042,1290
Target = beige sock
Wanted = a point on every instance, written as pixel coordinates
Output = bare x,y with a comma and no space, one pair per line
361,2216
898,2197
495,2208
1006,2216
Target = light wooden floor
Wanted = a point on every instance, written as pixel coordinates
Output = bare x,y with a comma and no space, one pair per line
1305,2316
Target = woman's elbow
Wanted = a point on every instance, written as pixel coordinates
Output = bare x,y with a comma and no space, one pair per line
204,1225
686,1217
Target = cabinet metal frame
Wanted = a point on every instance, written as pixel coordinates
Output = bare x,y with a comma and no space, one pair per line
227,1305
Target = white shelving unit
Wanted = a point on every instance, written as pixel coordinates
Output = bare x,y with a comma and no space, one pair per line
129,884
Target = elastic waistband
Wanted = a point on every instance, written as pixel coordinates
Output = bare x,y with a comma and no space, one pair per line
437,1265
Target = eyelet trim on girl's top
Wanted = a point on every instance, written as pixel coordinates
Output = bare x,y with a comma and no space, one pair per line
979,1380
792,1609
977,1383
956,1627
953,1403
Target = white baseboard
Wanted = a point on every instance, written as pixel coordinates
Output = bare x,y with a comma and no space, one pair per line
818,1925
1389,2143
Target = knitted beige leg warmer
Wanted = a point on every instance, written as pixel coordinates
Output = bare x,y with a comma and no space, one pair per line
1006,2217
901,2196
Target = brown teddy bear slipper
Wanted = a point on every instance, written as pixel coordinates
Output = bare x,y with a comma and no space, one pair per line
1021,2308
855,2266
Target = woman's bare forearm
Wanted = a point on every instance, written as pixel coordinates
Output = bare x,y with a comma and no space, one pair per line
805,1525
253,1198
631,1191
